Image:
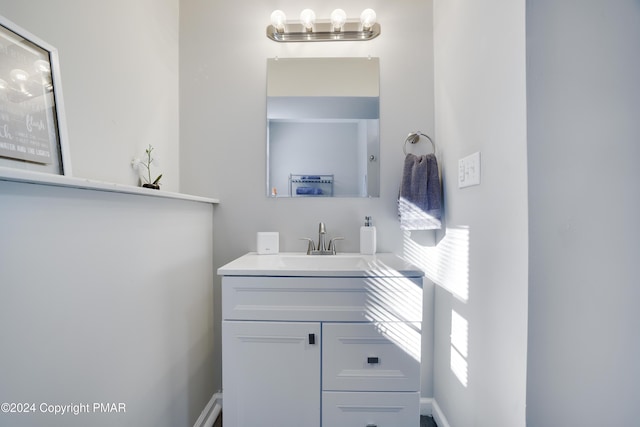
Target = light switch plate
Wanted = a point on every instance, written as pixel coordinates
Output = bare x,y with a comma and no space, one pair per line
469,170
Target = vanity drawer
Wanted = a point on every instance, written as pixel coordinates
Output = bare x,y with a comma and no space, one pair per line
370,409
344,299
371,356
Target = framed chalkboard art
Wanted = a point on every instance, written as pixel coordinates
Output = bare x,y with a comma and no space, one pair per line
33,132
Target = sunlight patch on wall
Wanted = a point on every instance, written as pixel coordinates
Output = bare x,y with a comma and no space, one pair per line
446,264
459,347
394,305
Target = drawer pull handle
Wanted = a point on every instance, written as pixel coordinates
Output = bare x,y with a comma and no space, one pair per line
371,425
312,339
372,361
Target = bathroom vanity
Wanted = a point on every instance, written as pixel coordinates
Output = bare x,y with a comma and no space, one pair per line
310,341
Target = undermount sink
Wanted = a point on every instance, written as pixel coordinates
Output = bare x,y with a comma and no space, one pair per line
300,264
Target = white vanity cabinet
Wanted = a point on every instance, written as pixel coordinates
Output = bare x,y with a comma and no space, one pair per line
304,350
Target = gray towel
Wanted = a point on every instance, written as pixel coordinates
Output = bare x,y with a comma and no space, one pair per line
420,198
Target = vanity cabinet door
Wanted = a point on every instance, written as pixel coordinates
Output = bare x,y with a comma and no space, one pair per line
271,374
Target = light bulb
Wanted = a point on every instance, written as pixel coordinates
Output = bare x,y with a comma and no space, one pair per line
42,66
368,18
278,20
308,18
18,75
338,18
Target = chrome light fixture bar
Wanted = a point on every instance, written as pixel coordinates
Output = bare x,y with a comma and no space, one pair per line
338,29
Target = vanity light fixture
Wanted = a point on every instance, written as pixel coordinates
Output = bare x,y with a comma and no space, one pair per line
338,28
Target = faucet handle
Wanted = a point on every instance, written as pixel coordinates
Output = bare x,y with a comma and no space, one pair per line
332,245
311,246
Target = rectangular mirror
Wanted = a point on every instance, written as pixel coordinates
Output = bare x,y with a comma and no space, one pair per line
323,127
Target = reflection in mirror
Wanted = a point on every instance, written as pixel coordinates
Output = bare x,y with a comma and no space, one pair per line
323,120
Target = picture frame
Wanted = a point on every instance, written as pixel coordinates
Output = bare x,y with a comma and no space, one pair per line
33,132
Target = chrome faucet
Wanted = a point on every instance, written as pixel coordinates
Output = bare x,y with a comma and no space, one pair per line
322,248
321,233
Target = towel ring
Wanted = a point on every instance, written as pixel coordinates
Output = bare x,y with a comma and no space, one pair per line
414,137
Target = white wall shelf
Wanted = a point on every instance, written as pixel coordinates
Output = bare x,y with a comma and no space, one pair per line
18,175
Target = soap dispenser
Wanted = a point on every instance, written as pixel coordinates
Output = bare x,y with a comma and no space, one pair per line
367,237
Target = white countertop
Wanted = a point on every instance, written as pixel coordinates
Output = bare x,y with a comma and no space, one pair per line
302,265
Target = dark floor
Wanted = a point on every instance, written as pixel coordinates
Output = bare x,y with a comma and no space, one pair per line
425,421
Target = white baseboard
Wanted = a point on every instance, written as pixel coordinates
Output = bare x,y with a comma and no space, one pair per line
210,412
426,405
438,415
429,406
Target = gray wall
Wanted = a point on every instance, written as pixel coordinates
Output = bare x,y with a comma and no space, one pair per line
223,75
119,70
105,298
584,127
309,149
481,263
